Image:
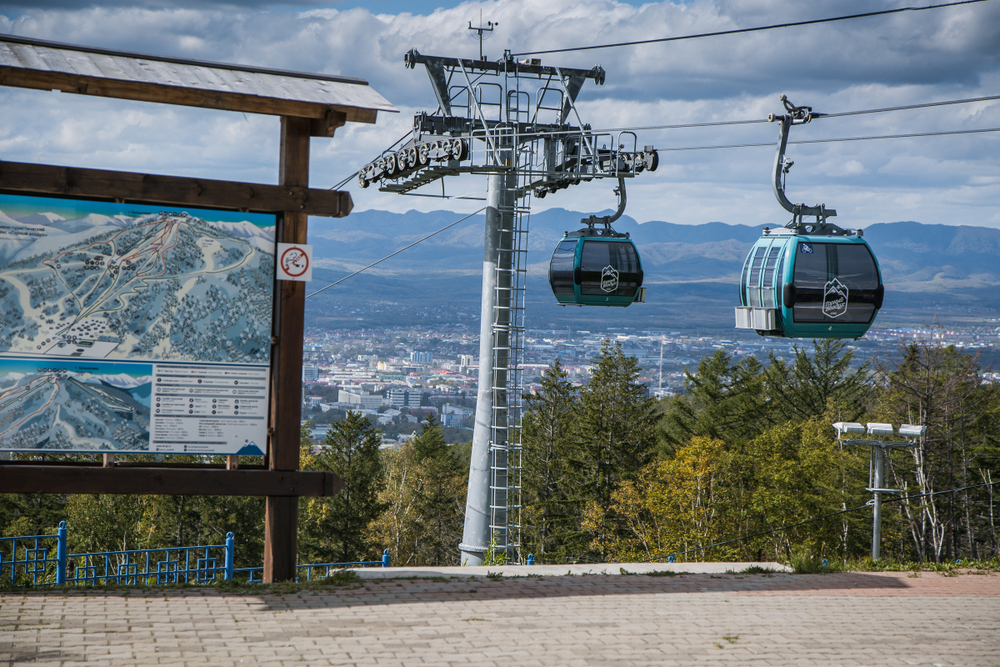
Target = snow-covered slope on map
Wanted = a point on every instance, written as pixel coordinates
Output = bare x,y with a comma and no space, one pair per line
17,235
244,229
10,378
7,220
122,381
40,218
92,221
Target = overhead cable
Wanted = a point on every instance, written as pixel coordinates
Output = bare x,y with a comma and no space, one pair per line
396,253
752,121
831,141
908,107
739,31
838,114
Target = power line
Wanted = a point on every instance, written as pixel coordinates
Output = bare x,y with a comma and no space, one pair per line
739,31
396,253
830,141
821,518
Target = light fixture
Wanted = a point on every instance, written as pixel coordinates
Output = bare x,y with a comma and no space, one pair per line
875,428
849,428
911,431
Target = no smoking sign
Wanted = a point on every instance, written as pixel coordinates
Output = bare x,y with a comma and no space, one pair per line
295,262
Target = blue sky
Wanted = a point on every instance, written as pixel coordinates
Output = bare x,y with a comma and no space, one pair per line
909,58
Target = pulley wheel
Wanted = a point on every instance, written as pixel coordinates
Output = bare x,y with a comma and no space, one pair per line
652,161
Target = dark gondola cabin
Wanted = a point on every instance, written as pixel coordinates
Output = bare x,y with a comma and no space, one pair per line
809,279
592,267
799,285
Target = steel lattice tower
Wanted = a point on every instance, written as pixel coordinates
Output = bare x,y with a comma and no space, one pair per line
508,120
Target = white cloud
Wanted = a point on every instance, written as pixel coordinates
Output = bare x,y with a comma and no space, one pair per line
897,60
839,168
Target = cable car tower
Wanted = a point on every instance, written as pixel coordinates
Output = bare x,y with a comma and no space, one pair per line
512,121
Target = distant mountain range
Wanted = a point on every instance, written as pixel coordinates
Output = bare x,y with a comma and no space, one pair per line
948,273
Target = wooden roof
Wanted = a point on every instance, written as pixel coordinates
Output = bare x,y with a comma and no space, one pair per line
30,63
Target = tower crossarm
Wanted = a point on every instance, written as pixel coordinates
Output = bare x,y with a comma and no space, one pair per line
525,101
506,65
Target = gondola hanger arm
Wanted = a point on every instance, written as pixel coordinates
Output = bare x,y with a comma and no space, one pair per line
606,220
794,116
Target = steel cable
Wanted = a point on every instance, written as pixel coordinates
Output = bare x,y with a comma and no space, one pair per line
831,141
396,253
738,31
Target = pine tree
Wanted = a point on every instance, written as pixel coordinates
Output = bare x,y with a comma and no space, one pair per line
724,400
440,497
338,528
615,432
803,389
941,388
550,518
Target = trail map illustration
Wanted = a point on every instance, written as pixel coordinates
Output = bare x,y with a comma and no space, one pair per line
74,406
129,328
139,284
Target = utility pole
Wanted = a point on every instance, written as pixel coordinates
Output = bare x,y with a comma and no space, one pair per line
659,386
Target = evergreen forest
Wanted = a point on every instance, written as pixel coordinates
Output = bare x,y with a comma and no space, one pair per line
743,466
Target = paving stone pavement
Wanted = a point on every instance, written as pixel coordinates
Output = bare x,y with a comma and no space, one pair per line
640,619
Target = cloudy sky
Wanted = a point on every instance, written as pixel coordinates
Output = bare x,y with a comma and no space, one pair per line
901,59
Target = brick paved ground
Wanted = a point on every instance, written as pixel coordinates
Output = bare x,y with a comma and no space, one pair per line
703,619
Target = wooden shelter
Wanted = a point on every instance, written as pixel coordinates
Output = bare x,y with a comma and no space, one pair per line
309,105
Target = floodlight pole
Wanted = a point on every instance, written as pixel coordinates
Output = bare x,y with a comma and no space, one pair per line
878,456
876,472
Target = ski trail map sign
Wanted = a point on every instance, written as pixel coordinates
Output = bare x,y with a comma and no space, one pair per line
133,329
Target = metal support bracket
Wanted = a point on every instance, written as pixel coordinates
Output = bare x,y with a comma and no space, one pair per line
795,116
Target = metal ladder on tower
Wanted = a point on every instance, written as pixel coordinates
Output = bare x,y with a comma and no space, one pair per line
508,356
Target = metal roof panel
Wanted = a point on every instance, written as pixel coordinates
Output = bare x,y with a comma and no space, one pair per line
154,73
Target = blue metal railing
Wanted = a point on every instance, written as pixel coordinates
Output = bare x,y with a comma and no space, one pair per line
30,557
136,567
325,568
29,560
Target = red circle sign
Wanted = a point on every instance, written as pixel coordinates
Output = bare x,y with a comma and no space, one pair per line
294,262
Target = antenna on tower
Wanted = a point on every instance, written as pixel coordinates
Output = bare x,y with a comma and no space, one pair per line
490,25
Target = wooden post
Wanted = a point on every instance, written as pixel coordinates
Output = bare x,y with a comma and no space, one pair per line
282,514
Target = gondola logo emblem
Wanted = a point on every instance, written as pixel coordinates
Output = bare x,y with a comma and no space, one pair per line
835,298
609,278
